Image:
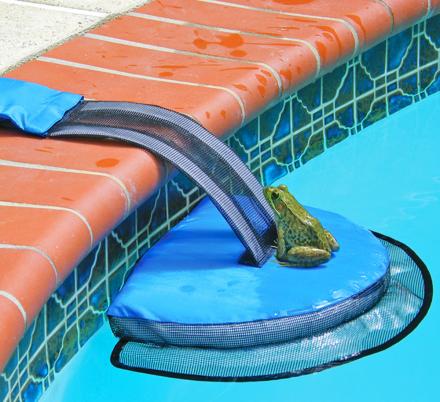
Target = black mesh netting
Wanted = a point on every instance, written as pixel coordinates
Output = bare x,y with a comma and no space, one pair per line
262,332
193,150
394,316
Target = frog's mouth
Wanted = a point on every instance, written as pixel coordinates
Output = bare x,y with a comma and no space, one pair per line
267,191
271,194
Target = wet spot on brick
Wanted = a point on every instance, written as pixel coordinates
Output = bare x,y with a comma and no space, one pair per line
107,162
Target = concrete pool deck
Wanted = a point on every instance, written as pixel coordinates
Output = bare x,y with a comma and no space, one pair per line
29,27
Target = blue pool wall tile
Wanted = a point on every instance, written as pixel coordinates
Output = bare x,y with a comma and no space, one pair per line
399,44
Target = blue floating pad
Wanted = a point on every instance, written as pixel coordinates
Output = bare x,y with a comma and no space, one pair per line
189,289
33,108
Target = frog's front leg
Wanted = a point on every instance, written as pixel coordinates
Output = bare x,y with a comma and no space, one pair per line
304,256
281,244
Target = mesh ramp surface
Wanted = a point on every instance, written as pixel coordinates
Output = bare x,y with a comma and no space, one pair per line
193,150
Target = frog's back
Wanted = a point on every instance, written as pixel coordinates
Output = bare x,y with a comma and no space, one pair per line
302,215
304,230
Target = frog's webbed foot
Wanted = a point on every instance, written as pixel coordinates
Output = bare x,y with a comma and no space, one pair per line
334,245
303,256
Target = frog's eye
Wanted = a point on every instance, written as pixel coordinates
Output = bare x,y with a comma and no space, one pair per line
282,187
275,195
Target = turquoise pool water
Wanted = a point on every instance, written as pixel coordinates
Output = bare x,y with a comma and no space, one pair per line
386,178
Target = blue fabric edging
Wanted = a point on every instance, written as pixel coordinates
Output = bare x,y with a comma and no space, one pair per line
33,108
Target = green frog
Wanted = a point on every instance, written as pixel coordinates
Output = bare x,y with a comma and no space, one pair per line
302,240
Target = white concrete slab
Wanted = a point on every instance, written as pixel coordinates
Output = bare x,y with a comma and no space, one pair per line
29,27
107,6
25,31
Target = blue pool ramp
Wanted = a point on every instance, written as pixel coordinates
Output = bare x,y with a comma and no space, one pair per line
180,284
190,310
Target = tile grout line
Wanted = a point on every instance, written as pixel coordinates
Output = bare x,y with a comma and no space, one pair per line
36,250
53,208
104,70
342,21
26,165
389,11
174,21
17,304
141,45
428,9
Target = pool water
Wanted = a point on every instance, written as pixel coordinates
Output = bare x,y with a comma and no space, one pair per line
386,178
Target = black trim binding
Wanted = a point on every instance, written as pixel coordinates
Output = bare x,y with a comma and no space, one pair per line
427,300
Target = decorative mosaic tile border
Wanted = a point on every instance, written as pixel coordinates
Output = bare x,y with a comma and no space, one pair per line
394,74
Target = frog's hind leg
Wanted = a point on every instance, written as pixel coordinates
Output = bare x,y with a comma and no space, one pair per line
334,245
303,256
